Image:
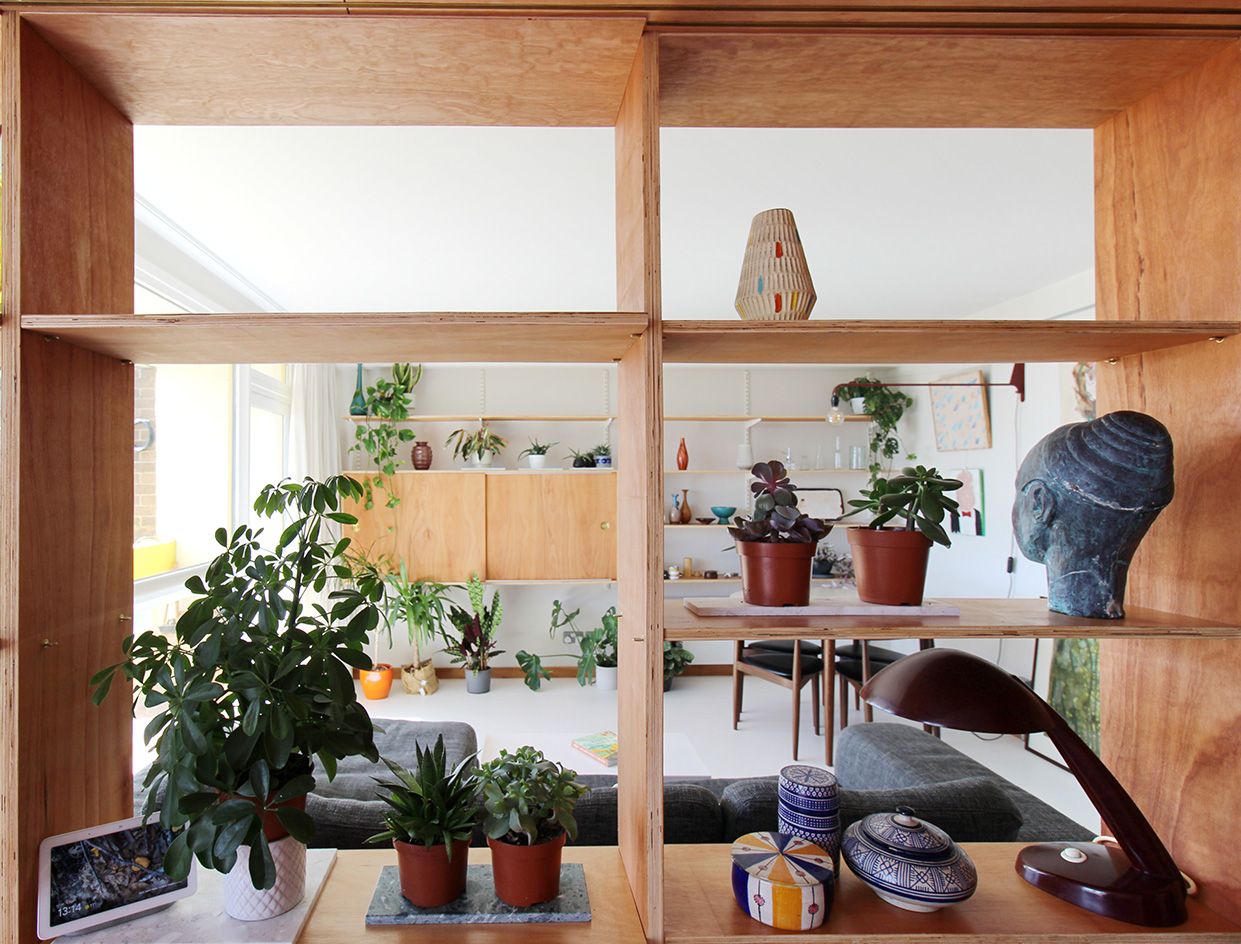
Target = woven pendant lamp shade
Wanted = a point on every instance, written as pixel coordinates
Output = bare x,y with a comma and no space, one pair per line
775,281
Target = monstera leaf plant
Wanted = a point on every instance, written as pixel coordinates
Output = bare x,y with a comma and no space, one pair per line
255,684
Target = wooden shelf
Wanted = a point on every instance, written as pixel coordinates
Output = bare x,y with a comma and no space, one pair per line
978,619
746,472
699,907
484,417
552,582
335,337
848,417
340,913
926,342
695,525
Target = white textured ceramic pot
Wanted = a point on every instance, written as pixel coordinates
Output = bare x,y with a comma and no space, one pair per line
538,462
858,405
246,903
605,677
483,461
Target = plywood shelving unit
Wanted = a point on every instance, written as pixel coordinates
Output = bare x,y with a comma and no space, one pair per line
1160,83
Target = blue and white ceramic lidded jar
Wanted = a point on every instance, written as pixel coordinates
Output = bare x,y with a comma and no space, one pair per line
809,807
907,862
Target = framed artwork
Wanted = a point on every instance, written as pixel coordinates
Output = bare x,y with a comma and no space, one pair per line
970,517
962,419
1066,675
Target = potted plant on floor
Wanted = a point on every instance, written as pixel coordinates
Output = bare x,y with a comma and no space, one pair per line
536,452
777,542
422,605
528,805
603,455
475,642
596,658
890,563
429,823
601,644
676,658
254,687
477,448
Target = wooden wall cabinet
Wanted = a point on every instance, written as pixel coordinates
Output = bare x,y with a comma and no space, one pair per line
551,526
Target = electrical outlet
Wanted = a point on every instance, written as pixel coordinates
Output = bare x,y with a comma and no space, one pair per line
572,637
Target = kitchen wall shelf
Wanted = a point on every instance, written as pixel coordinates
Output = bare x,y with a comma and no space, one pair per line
483,418
755,420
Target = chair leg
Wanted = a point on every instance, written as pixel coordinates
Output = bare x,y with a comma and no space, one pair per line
829,699
796,694
844,702
868,714
814,703
738,685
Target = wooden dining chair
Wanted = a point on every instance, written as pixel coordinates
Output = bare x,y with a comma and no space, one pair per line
853,673
793,669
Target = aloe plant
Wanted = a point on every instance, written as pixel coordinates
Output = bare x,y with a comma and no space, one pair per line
917,496
429,806
776,519
535,448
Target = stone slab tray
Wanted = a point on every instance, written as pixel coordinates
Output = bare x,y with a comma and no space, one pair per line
479,904
726,606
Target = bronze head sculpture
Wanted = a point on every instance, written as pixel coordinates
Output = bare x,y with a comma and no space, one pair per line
1086,495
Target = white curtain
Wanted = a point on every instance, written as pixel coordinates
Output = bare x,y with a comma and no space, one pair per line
314,433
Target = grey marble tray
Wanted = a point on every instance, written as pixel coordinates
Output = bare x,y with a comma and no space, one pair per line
479,904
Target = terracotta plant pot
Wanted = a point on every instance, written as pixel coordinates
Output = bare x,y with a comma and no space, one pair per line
428,876
775,574
889,565
377,682
526,875
420,679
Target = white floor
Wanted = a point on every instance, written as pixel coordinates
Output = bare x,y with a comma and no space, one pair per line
700,707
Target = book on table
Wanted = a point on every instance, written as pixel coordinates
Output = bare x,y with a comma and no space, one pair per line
602,747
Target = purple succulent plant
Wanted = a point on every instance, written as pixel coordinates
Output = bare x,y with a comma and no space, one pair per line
776,519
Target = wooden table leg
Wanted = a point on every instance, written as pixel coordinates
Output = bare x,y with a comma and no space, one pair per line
829,701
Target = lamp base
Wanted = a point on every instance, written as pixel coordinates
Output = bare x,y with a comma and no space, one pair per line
1102,880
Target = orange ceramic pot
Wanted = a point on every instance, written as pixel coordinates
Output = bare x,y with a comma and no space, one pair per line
377,682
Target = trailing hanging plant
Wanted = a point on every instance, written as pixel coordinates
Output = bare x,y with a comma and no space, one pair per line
430,806
917,496
256,682
475,641
885,406
776,519
387,404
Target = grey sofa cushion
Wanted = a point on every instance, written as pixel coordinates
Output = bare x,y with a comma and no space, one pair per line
974,809
900,756
691,814
396,741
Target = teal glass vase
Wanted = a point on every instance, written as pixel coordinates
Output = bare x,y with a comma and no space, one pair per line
357,406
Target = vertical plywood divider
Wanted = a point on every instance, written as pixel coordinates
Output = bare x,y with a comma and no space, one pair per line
66,528
1168,245
639,491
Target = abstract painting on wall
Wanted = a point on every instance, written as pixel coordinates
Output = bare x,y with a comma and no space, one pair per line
962,419
1066,675
970,517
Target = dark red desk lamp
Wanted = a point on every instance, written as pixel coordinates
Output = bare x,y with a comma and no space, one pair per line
1137,882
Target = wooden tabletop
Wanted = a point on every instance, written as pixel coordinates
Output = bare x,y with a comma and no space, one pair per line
339,916
699,907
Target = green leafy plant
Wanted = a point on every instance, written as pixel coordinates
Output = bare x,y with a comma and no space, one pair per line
885,406
602,451
535,448
528,799
676,658
596,647
582,460
388,402
422,605
430,806
475,445
776,519
916,495
406,376
475,640
255,682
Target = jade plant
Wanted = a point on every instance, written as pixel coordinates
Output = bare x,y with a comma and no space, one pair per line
388,403
885,406
475,641
917,496
430,805
483,442
775,519
528,799
596,647
256,682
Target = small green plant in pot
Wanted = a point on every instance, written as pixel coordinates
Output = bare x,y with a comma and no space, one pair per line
777,543
477,448
890,563
676,658
596,658
422,605
475,641
536,452
583,460
429,823
885,406
528,805
603,455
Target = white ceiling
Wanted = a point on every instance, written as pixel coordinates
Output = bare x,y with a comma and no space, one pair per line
899,223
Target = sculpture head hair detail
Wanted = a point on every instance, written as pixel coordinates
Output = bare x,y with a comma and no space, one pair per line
1086,495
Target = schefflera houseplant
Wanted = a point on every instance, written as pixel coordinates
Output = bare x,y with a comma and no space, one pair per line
889,564
254,687
430,821
777,542
528,804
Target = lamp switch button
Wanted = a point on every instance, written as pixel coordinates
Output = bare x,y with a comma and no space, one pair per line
1073,854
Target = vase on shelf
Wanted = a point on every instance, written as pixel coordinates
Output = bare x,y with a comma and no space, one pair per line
687,515
357,406
745,456
421,456
775,281
682,456
674,516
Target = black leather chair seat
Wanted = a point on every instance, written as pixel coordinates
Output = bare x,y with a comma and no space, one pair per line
785,646
780,664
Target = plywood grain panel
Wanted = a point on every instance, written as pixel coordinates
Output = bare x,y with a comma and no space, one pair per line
439,528
923,342
914,81
354,70
1168,243
640,706
78,190
557,525
330,337
1004,910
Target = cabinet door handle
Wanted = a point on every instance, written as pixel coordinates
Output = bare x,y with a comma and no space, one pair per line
605,525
